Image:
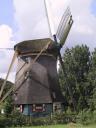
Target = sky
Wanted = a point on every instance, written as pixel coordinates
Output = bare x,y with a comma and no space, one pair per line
26,19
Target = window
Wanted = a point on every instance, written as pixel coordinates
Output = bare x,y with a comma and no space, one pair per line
38,107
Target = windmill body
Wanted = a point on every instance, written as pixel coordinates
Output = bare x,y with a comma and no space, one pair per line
39,92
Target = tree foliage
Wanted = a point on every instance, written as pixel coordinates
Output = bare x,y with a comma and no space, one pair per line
7,105
79,78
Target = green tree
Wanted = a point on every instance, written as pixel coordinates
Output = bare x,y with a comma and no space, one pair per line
74,80
92,82
7,105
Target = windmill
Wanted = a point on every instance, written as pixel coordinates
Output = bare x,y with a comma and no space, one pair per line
36,90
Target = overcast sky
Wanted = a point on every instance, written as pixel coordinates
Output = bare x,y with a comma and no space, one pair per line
26,19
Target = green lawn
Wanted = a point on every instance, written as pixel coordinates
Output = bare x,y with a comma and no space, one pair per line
63,126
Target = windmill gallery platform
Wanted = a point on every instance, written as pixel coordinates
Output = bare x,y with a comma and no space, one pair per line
38,92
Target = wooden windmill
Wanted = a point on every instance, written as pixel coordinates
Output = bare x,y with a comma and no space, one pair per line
36,90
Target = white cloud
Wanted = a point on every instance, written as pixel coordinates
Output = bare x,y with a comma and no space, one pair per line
10,78
83,18
30,17
84,27
6,41
5,61
6,35
4,66
32,20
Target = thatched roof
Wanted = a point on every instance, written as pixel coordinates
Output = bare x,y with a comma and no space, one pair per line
35,46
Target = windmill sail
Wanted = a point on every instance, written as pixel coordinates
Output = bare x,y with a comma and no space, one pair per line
6,48
64,18
49,17
64,26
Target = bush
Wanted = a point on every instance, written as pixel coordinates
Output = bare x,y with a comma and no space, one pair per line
5,121
14,119
64,118
17,119
87,117
41,121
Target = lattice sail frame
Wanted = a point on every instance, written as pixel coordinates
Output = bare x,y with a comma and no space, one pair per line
64,26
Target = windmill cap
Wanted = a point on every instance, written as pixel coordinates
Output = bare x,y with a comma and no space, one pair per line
35,46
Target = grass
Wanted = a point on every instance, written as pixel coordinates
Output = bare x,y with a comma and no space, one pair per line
71,125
